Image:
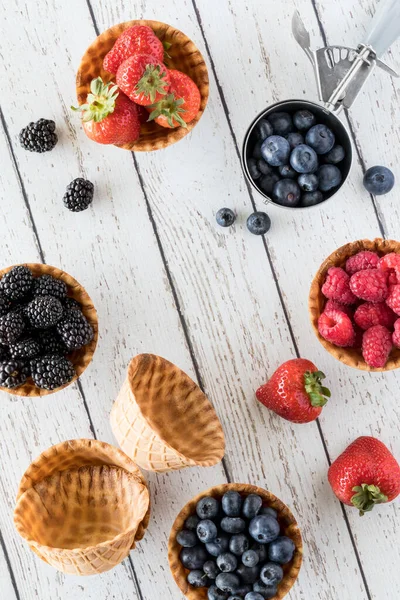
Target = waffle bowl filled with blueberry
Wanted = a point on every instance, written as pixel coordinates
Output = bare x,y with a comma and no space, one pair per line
48,329
235,541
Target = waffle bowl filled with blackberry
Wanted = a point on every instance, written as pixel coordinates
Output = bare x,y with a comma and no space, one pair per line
48,329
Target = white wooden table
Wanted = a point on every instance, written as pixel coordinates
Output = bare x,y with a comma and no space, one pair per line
226,306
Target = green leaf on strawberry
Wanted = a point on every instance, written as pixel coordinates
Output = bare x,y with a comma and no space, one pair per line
317,393
366,497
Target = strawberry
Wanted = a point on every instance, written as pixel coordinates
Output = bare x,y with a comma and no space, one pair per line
138,39
108,116
294,391
180,106
143,78
365,474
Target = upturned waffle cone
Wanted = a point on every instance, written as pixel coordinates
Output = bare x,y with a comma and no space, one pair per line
286,520
162,419
184,56
348,356
81,506
80,358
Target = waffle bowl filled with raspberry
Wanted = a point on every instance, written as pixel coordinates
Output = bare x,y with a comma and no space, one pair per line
354,304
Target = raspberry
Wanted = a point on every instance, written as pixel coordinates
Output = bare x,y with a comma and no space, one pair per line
334,305
376,346
390,264
358,337
396,334
393,298
374,313
336,328
336,286
369,285
362,261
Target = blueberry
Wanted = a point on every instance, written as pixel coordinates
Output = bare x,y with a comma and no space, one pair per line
186,538
267,182
243,590
227,582
210,569
263,167
206,531
266,591
232,503
304,159
235,597
378,180
311,198
233,525
261,549
321,138
250,558
227,562
281,122
253,596
254,171
207,508
251,505
286,192
294,139
263,129
308,182
197,579
192,522
304,119
238,544
225,217
248,575
219,545
193,558
257,150
286,172
258,223
281,550
264,529
215,594
329,177
271,574
275,150
336,155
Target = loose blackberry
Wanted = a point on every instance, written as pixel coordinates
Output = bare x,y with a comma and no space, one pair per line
51,343
46,285
17,283
44,312
51,371
79,194
11,328
13,373
5,305
27,348
39,136
71,304
74,330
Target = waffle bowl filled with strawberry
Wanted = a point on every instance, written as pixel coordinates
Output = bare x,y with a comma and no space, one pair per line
354,304
142,86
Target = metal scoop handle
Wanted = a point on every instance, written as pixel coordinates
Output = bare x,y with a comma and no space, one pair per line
385,27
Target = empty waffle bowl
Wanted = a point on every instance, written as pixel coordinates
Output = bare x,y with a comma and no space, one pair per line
286,520
183,56
81,506
162,419
349,356
79,358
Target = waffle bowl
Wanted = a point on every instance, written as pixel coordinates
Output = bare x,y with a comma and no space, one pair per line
82,505
348,356
79,358
286,520
163,421
183,56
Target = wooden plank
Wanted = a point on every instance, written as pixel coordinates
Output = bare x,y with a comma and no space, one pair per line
6,584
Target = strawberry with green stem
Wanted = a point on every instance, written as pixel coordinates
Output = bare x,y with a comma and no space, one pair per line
144,79
180,106
138,39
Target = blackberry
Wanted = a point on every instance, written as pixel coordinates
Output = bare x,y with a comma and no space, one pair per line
4,353
39,136
79,194
27,348
44,312
17,283
74,330
51,343
72,304
50,372
11,327
46,285
13,373
5,305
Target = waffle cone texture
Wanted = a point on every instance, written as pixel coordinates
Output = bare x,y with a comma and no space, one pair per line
82,505
163,421
184,56
316,303
286,520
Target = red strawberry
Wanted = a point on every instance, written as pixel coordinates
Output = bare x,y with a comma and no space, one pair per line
295,392
180,106
138,39
365,474
143,78
108,116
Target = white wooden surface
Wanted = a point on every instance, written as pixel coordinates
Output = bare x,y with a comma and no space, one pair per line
226,306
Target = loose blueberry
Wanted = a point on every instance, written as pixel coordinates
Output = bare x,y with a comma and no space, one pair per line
271,574
251,506
253,596
233,525
261,549
308,182
320,138
207,508
281,550
258,223
238,544
219,545
304,120
227,562
206,531
197,579
304,159
275,150
281,122
266,591
248,575
186,538
210,569
193,558
232,503
267,182
264,528
286,192
329,177
227,582
286,172
263,129
225,217
263,167
192,522
254,171
336,155
215,594
294,139
257,150
311,198
378,180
